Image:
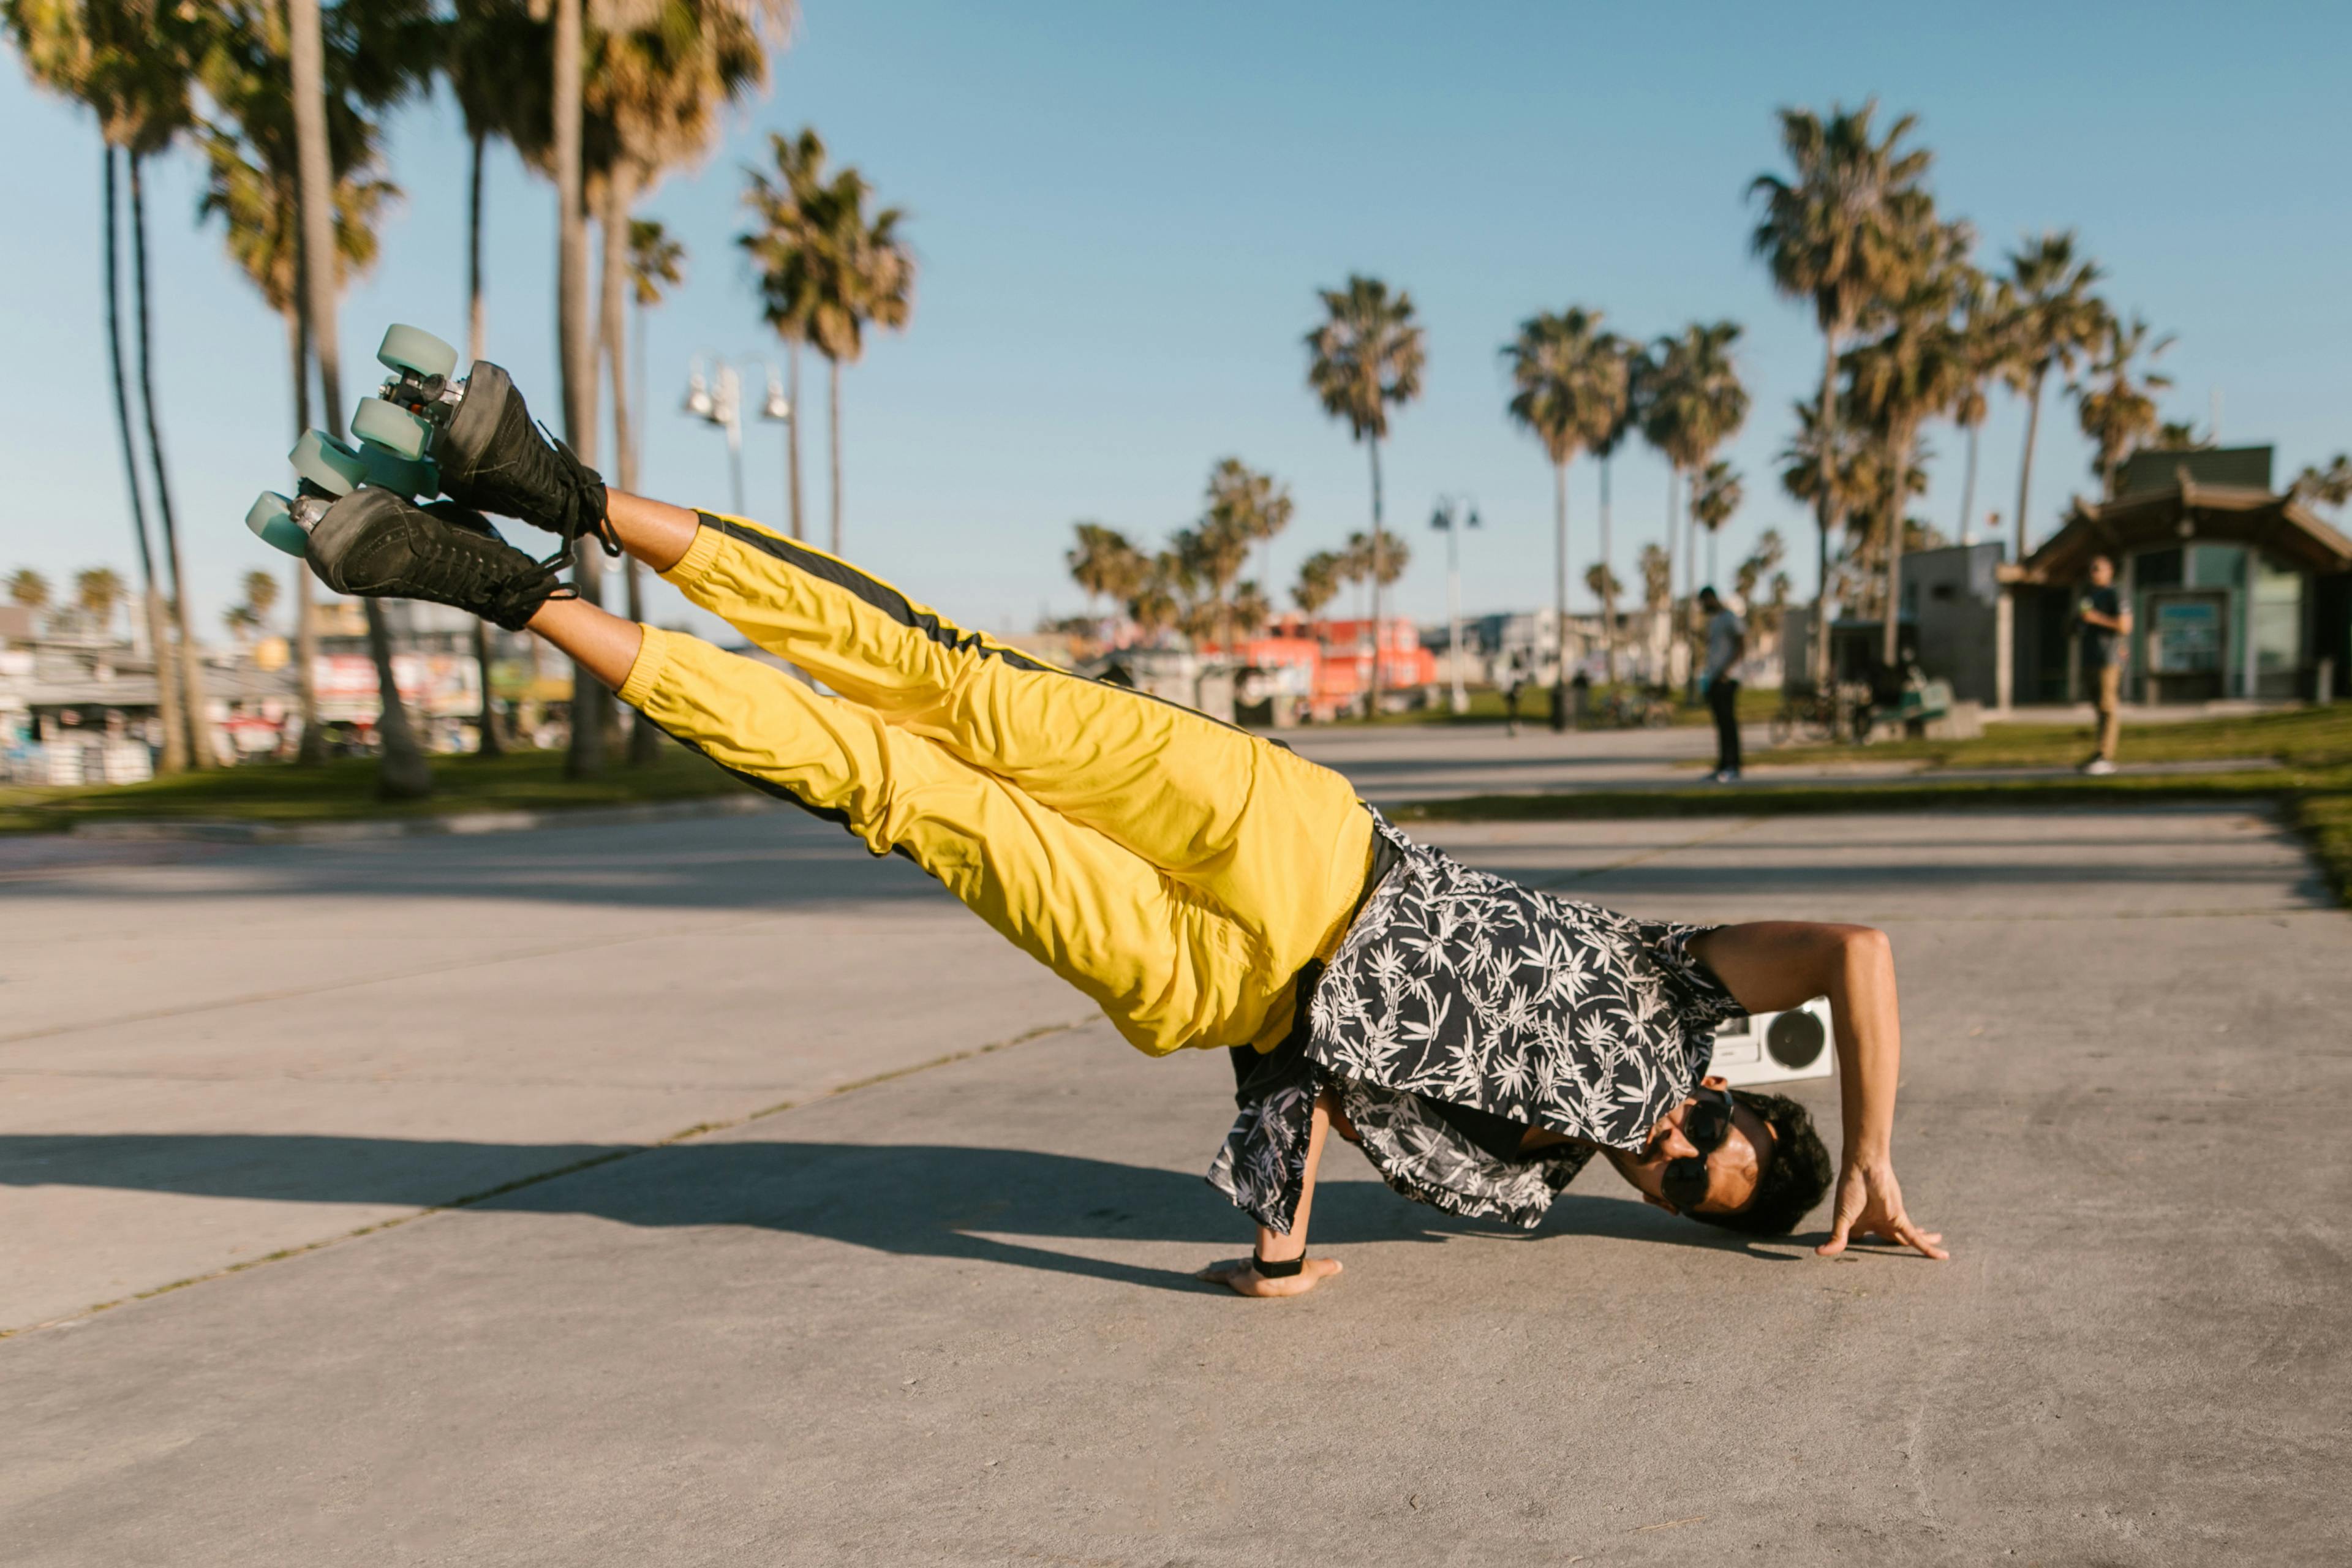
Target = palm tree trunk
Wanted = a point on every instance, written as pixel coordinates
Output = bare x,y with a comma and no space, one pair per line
792,437
159,643
1890,646
575,355
1968,493
2025,467
1690,584
477,309
404,775
833,434
620,195
489,741
1607,600
1665,676
1558,596
1380,560
310,750
193,715
1825,508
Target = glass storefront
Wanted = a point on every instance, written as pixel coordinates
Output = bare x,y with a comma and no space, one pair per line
2213,621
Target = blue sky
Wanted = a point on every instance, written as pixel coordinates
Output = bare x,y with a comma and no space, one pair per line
1122,212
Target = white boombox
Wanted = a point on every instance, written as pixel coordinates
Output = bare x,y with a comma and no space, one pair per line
1776,1048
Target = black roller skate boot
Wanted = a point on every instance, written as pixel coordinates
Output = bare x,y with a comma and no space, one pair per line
381,545
494,459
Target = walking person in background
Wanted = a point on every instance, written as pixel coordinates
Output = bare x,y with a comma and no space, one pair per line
1726,644
2104,622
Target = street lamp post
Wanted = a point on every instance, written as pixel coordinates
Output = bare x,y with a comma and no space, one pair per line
1454,514
718,399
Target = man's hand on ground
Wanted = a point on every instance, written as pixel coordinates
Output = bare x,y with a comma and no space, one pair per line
1870,1204
1241,1276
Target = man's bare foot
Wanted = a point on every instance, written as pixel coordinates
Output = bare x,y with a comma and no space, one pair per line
1239,1276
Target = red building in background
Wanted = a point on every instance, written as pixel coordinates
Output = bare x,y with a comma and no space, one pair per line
1326,668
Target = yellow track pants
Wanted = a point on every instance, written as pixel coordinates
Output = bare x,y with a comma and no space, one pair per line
1177,871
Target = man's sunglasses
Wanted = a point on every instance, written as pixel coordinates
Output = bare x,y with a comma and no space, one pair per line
1707,1122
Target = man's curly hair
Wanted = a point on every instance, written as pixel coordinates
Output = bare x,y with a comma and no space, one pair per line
1795,1177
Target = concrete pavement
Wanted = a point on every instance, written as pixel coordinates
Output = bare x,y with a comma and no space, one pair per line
947,1317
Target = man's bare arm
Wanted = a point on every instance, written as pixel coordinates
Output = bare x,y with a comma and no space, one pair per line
1773,965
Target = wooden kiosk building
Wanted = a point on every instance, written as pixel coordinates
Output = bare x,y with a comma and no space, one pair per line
2236,591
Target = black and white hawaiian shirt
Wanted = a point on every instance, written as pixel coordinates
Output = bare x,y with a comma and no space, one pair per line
1455,987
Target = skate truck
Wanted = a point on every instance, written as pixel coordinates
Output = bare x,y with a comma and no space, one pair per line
392,446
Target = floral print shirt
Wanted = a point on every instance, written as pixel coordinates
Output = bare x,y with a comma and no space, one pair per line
1462,987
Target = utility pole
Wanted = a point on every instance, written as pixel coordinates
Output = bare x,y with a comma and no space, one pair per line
1452,516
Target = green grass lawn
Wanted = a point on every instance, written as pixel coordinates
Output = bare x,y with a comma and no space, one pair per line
2308,737
1486,707
2312,785
345,790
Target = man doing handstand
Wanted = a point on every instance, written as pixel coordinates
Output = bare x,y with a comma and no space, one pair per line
1479,1040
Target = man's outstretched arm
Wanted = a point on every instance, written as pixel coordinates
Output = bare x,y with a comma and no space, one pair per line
1773,965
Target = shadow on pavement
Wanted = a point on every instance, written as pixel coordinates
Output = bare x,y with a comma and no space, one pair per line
943,1201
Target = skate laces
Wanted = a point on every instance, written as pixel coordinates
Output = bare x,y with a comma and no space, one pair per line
583,480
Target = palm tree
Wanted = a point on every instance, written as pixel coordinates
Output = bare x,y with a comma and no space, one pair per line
29,589
1365,357
2183,436
1604,586
1636,362
1715,495
1986,350
2055,318
1915,368
1246,508
132,64
1839,455
252,185
1693,403
499,57
828,270
1248,611
1832,234
783,247
1106,564
655,91
1767,555
656,265
1571,390
1318,584
576,344
260,596
2116,410
660,73
2332,484
404,775
97,590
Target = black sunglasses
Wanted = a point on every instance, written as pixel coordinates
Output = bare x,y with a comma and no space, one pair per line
1705,1124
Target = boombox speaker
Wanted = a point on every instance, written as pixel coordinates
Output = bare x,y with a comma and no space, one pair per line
1777,1048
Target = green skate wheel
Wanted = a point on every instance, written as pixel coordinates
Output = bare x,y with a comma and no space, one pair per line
273,523
391,427
411,477
413,348
327,463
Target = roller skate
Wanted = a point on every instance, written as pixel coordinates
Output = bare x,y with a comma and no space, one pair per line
328,470
377,544
426,432
480,434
